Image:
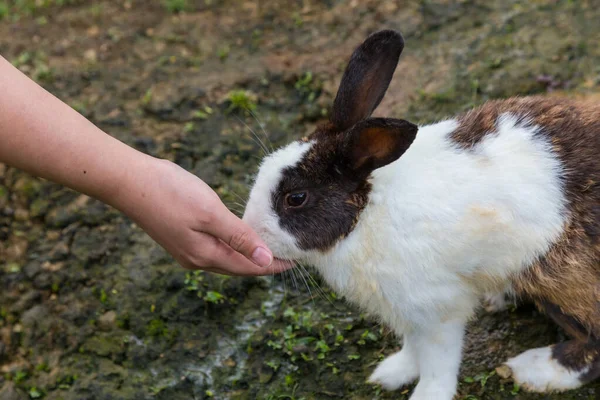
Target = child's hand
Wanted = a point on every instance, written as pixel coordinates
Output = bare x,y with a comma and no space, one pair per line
185,216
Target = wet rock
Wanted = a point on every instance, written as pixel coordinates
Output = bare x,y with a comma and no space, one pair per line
91,55
145,145
60,251
26,301
208,171
35,318
171,102
3,196
10,392
95,213
43,281
17,247
21,215
107,321
175,283
104,345
265,375
39,207
89,245
27,187
60,217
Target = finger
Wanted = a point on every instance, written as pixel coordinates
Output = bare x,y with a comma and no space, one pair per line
240,237
225,260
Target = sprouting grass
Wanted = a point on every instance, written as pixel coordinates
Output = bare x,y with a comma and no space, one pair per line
241,100
19,8
3,9
176,6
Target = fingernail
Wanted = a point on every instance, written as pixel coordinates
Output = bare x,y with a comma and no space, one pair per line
262,257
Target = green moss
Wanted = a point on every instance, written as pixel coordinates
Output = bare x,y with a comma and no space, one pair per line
176,6
3,9
241,100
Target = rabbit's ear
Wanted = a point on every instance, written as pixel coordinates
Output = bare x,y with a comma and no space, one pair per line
376,142
366,78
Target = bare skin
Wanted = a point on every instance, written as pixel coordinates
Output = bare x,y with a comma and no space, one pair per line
45,137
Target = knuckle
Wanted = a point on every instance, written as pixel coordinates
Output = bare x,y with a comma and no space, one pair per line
199,261
239,240
206,218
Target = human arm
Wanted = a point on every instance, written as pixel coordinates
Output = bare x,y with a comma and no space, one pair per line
45,137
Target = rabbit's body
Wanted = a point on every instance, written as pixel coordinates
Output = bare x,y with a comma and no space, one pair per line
416,228
434,237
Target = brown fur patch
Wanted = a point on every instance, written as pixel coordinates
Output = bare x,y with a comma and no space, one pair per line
568,276
581,353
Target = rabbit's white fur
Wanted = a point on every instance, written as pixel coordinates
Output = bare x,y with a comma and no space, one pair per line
443,226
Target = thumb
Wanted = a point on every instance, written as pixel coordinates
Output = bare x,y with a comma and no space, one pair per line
240,237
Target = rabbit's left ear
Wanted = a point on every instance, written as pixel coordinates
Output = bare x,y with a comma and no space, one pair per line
376,142
366,79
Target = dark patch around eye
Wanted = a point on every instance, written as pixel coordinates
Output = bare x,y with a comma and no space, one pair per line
333,203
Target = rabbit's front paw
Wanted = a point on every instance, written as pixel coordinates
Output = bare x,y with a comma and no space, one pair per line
395,371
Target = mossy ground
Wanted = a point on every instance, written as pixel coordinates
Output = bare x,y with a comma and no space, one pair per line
91,308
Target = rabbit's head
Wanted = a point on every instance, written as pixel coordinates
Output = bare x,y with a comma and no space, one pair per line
309,194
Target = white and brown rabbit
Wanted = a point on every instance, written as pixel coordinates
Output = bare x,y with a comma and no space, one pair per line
415,224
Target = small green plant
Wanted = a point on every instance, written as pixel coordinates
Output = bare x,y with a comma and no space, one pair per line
3,9
241,100
147,97
156,327
273,364
366,335
103,296
43,73
298,21
42,367
192,280
308,87
214,297
19,377
204,113
515,389
189,127
34,393
176,6
223,52
66,381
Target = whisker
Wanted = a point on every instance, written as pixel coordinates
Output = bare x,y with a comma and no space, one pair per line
240,198
260,142
301,272
239,204
263,129
317,286
293,274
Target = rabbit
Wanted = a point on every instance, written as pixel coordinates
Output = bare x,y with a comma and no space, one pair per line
416,224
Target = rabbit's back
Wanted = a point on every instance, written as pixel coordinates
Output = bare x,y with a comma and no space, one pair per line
566,280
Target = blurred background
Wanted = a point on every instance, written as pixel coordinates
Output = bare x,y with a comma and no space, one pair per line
91,308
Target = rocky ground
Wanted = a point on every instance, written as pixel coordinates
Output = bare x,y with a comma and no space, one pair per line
91,308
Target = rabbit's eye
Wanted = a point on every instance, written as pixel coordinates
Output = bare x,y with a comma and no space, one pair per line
296,200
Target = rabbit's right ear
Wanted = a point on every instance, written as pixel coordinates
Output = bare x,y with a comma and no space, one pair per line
366,78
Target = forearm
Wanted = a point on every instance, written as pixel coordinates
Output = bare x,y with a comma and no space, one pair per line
45,137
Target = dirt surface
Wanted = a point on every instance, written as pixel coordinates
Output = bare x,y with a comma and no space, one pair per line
91,308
